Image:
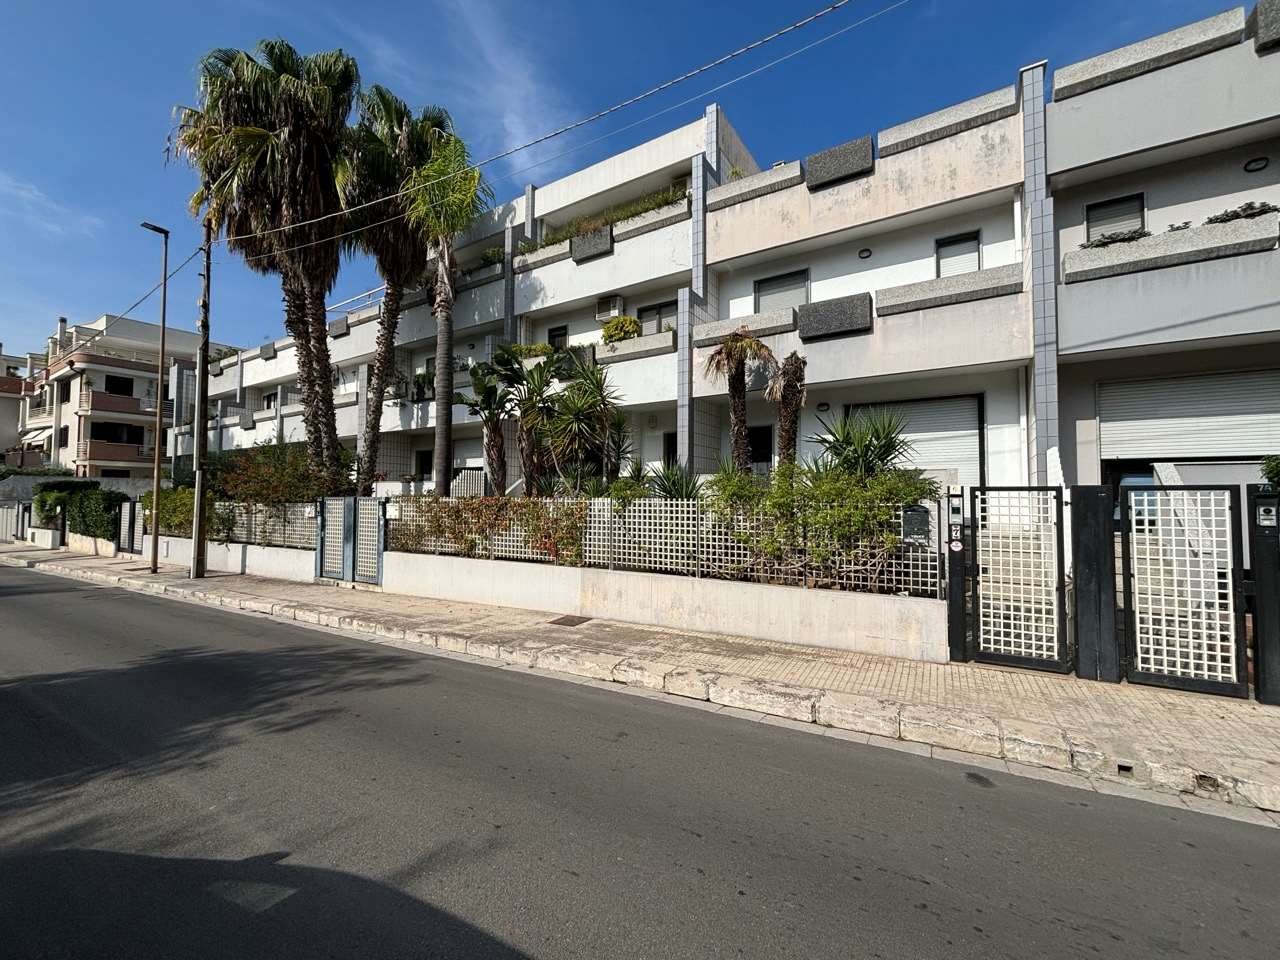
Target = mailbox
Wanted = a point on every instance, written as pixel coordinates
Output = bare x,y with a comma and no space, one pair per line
917,525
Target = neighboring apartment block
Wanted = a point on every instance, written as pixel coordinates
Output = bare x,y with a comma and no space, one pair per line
11,374
933,267
89,403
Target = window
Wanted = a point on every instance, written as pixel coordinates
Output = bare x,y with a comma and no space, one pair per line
960,254
558,337
778,293
760,440
653,319
109,432
670,448
63,437
268,401
118,386
423,460
64,391
1114,216
115,473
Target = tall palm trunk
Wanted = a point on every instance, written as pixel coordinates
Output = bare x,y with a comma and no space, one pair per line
442,466
530,458
322,380
787,390
297,325
380,373
495,457
737,383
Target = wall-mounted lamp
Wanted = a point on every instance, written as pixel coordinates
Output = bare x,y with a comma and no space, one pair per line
1256,165
824,407
864,253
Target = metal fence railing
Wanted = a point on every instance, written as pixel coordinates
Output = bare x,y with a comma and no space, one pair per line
885,554
269,525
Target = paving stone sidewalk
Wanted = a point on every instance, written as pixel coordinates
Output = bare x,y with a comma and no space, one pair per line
1117,736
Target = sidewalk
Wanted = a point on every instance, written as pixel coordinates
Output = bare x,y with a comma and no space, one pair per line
1114,738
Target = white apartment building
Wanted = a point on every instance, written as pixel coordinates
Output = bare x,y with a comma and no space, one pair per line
933,267
89,403
12,369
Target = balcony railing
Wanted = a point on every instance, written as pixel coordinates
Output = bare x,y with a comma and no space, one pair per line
106,450
97,401
35,413
26,458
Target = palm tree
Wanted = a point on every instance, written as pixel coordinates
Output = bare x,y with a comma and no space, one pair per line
786,389
729,362
448,194
266,139
585,415
533,392
387,143
490,400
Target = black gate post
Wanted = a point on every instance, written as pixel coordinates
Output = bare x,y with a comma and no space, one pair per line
957,582
1264,547
1093,553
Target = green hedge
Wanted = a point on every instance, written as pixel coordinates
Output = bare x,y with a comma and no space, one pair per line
93,513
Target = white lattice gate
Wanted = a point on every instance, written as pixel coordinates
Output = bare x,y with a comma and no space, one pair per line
335,539
367,566
1183,581
1019,613
9,521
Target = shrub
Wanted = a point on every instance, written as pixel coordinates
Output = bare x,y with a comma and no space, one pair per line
620,328
68,486
177,508
622,211
273,473
49,505
491,256
1271,469
1178,227
1246,211
92,513
7,472
626,490
1119,236
672,481
527,351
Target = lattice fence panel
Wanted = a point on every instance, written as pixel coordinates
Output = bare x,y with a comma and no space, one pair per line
334,529
368,521
1183,602
1016,537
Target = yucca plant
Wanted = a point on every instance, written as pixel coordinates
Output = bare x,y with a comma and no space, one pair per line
490,400
866,443
673,481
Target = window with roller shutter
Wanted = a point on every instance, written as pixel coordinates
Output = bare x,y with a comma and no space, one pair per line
1114,216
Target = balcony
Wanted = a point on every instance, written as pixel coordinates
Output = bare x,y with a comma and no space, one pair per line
113,452
39,416
22,459
98,402
11,386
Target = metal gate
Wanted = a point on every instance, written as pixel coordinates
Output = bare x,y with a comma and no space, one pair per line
1019,608
8,521
368,540
129,527
349,539
1183,588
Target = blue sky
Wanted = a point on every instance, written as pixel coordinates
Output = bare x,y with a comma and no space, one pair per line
94,86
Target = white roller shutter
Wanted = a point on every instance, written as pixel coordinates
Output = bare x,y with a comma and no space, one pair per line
1221,415
945,434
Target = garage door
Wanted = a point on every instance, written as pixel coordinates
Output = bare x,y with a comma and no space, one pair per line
945,434
1219,415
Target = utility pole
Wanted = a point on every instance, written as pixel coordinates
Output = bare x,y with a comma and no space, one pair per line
158,440
199,424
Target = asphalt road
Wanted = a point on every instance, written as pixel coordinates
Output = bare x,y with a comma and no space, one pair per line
177,781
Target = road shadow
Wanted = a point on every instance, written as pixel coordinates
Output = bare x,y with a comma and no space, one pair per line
173,710
94,903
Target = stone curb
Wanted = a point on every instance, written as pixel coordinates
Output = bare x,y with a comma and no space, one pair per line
1064,755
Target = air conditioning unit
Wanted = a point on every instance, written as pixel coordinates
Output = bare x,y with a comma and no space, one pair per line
608,307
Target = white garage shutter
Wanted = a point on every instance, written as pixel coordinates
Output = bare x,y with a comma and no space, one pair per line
1220,415
945,434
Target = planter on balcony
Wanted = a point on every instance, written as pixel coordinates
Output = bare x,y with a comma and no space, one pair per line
480,276
757,324
246,420
551,253
588,246
853,159
756,185
961,288
267,351
834,318
1209,242
339,328
651,345
651,220
985,109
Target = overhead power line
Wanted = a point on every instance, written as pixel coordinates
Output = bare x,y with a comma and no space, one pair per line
587,143
599,114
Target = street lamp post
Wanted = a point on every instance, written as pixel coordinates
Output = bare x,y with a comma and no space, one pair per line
159,437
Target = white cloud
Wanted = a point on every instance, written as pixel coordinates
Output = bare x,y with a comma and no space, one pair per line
23,201
477,63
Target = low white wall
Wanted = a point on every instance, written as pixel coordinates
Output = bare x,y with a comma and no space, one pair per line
96,546
907,627
280,563
49,539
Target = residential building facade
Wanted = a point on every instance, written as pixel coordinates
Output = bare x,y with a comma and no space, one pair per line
89,404
933,267
12,368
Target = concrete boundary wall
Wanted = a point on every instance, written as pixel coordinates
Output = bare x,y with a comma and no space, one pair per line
907,627
94,546
280,563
